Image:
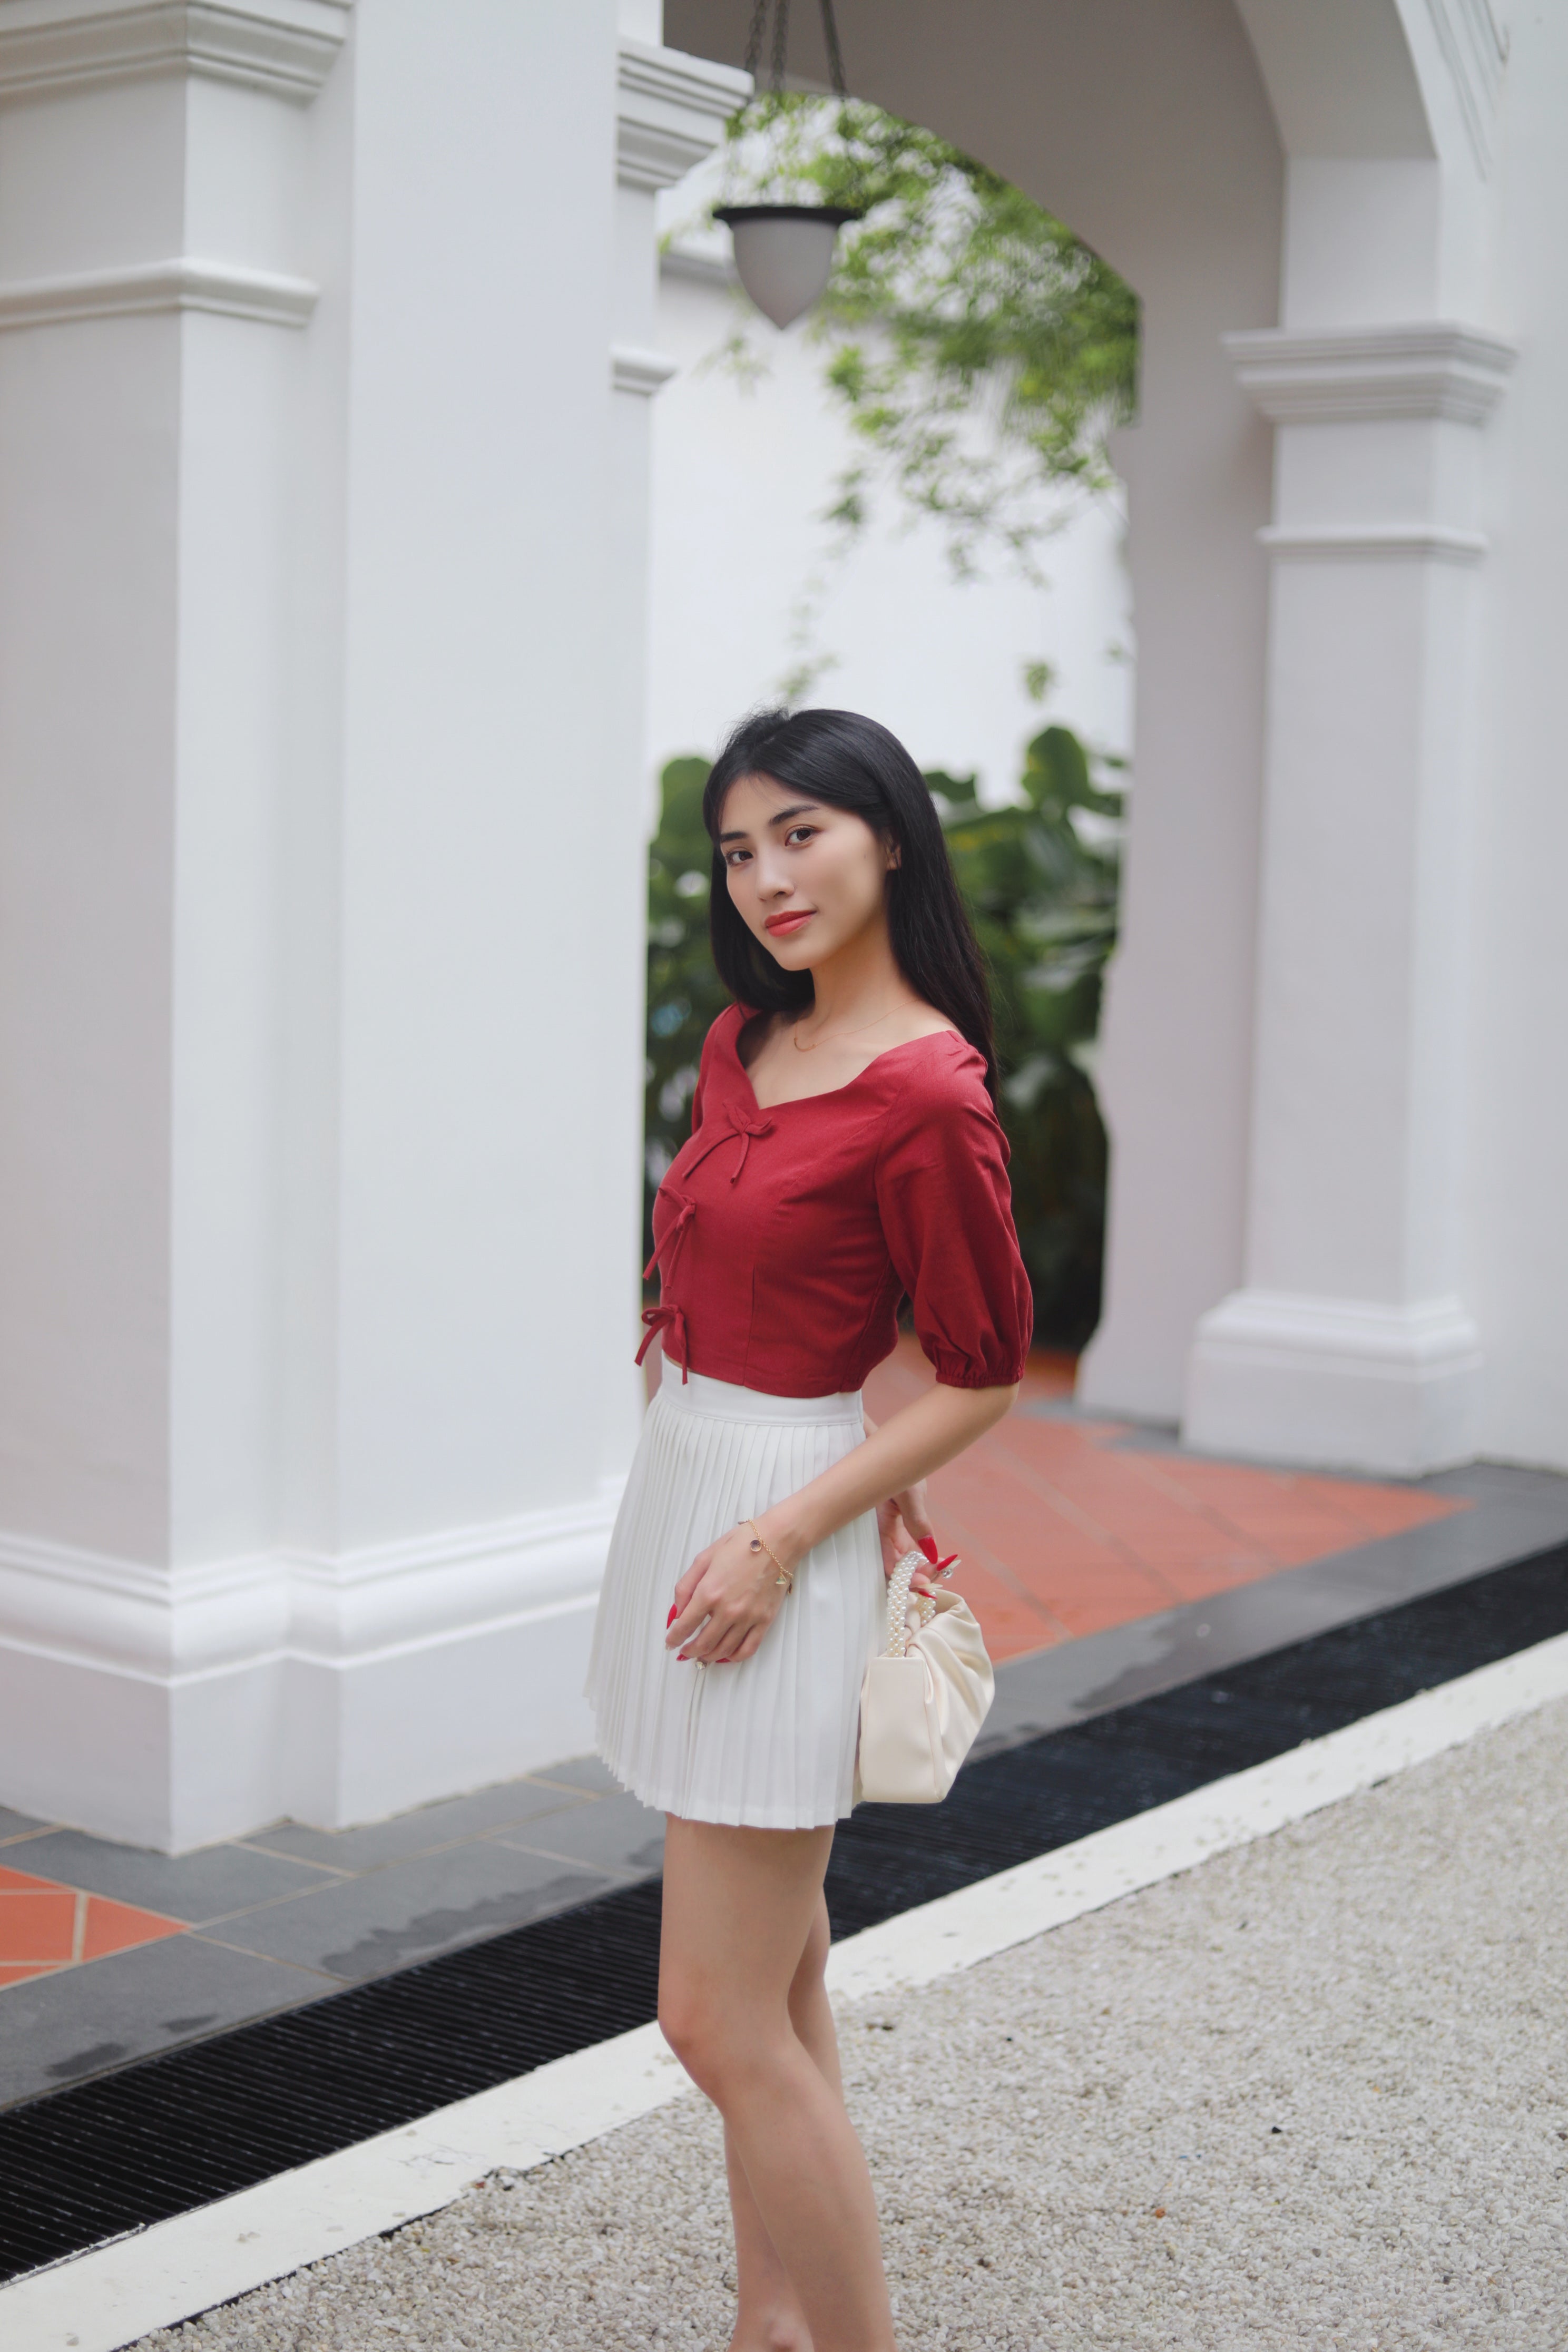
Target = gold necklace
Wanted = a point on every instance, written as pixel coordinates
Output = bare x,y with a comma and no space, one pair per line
795,1039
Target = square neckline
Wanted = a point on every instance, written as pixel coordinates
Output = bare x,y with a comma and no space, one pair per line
767,1111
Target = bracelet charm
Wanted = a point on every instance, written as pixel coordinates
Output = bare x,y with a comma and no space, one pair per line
785,1575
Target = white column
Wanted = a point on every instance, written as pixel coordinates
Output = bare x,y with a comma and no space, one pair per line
155,281
670,111
1351,1341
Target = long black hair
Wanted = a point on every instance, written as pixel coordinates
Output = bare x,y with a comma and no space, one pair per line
850,762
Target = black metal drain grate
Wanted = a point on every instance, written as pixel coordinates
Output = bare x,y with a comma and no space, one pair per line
83,2164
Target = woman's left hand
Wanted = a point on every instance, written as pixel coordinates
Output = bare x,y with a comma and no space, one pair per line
725,1602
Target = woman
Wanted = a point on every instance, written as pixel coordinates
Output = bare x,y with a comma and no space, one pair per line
844,1154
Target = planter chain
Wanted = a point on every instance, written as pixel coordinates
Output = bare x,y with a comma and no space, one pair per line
780,43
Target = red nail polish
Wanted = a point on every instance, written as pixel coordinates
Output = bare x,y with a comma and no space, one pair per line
674,1612
928,1544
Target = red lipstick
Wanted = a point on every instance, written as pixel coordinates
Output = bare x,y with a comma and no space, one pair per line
781,926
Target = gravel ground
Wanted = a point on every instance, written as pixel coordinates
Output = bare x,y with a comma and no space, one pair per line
1312,2094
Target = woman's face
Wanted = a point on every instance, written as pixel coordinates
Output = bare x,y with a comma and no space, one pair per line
808,879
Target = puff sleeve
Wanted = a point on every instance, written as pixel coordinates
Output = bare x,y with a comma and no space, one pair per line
947,1218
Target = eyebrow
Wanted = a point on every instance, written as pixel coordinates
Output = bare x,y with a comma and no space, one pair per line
780,816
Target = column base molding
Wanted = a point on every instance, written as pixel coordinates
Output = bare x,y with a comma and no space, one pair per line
1335,1383
212,1700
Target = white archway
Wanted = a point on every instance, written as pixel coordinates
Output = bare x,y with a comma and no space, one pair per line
1298,194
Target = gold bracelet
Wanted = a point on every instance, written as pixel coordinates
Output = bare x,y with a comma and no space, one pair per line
785,1575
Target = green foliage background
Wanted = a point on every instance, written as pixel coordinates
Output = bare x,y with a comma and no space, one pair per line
1040,877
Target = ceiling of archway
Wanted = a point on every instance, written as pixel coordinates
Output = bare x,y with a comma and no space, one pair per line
1136,121
1083,106
1340,76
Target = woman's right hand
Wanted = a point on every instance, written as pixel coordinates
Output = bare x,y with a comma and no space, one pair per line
904,1523
726,1600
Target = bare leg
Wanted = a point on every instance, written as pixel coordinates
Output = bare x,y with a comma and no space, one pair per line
741,1907
770,2318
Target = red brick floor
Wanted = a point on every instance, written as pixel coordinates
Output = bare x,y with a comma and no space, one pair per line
45,1926
1063,1531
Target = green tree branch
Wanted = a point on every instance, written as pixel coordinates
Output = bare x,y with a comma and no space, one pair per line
980,351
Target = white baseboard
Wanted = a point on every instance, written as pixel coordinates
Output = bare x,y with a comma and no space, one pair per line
1336,1383
101,2300
173,1706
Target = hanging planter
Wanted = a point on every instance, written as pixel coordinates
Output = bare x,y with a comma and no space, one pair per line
783,253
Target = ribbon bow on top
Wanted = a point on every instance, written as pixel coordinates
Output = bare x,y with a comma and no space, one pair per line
744,1126
664,1249
655,1319
743,1129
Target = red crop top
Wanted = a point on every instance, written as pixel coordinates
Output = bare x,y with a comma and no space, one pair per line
785,1238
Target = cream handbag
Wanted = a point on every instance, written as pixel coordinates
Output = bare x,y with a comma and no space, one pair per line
924,1699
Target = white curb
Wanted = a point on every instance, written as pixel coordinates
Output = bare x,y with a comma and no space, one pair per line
98,2301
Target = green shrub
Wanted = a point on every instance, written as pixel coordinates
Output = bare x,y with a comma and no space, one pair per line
1041,879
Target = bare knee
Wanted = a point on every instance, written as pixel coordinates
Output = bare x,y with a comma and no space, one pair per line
685,2020
682,2023
719,2052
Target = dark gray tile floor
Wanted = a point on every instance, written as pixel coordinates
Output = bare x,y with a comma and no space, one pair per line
361,1926
616,1833
200,1888
59,2029
293,1913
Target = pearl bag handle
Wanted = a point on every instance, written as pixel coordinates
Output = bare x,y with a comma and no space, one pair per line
898,1635
924,1695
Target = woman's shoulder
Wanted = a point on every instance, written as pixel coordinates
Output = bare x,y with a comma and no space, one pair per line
936,1102
936,1070
724,1031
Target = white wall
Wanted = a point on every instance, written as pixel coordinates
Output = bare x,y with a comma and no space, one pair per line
743,474
1518,1185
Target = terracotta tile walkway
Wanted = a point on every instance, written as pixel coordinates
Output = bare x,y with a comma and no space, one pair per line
1067,1527
45,1926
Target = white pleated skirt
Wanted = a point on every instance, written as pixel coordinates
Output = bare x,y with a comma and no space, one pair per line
770,1743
